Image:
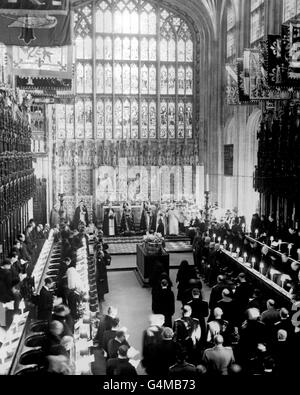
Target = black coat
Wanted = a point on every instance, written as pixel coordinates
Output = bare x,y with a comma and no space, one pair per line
45,304
163,301
105,324
152,339
8,279
76,217
101,276
120,367
143,223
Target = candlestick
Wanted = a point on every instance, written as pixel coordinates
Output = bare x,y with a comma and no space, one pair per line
231,247
253,262
225,244
279,245
214,238
289,248
245,257
238,251
243,228
219,239
271,240
256,233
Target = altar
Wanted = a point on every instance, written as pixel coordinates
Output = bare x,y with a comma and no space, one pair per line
147,264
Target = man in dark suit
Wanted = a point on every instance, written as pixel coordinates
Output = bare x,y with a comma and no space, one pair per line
114,344
199,311
216,292
120,366
110,333
45,301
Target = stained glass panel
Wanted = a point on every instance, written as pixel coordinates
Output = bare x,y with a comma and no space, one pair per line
180,121
163,50
79,47
181,51
126,79
152,120
134,22
134,119
134,49
144,23
145,80
152,80
79,78
134,79
107,48
126,119
144,119
118,22
126,48
100,119
189,81
108,119
171,80
108,22
87,46
152,49
99,21
163,80
181,80
118,78
79,111
152,23
99,48
108,78
88,119
189,51
88,78
163,119
126,22
99,79
144,49
70,121
118,48
171,51
171,120
188,119
118,120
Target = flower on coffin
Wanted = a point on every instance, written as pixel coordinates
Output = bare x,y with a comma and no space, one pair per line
153,238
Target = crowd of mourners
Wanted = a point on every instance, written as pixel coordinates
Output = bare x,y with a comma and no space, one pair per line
236,330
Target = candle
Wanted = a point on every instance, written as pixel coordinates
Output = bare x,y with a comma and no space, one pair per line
279,244
253,262
231,247
225,243
289,248
214,237
219,239
245,257
238,251
271,240
207,182
243,227
256,233
261,267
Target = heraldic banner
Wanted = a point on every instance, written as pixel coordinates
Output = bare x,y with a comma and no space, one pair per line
35,22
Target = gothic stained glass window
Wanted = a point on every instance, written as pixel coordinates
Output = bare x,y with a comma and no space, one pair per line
231,30
291,9
257,20
100,119
142,54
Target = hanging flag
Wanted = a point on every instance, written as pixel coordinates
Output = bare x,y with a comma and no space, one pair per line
41,25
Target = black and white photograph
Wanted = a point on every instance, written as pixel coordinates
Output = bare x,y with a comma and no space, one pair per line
150,191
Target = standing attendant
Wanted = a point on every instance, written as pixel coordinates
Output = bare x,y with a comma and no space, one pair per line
101,273
45,301
110,221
